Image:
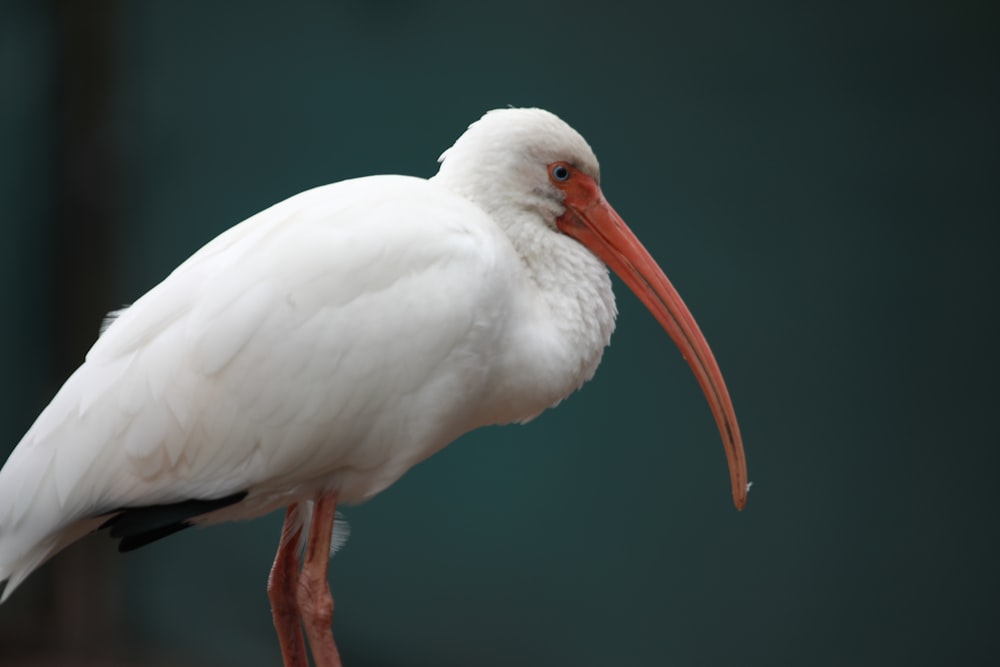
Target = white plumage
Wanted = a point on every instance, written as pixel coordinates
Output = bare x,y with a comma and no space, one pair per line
338,337
334,340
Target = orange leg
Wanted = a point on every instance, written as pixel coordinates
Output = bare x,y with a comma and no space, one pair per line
315,601
282,589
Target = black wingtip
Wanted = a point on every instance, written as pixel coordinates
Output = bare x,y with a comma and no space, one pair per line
3,586
133,542
138,526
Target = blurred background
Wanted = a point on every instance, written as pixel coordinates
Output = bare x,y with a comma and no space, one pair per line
820,181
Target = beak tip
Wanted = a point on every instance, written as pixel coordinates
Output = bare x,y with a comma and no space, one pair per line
740,496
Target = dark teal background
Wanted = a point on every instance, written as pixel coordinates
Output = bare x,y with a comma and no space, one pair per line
819,180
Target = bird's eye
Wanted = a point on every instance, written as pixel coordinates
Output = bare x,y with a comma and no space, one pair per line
560,172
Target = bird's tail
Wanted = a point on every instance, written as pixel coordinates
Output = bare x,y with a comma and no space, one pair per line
20,554
34,525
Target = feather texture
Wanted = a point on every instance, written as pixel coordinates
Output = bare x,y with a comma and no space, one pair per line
330,342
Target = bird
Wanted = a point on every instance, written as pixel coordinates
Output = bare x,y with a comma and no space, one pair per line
309,356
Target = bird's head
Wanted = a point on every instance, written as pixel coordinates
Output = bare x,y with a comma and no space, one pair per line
503,162
513,161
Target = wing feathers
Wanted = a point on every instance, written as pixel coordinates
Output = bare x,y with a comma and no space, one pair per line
138,526
303,347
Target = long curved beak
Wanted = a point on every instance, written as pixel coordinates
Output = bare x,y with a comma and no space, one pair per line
590,220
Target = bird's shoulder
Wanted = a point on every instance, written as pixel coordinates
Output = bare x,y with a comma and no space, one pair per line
295,315
323,248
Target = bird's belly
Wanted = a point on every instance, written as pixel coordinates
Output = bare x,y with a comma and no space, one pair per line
356,471
360,454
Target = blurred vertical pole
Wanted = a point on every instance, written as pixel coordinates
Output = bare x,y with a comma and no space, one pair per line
86,595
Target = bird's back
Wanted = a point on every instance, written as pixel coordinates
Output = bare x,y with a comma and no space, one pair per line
335,339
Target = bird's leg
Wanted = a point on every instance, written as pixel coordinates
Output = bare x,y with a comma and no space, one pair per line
282,590
315,601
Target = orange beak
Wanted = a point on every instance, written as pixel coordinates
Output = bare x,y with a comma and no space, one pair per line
590,220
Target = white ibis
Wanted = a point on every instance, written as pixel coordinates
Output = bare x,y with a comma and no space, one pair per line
315,352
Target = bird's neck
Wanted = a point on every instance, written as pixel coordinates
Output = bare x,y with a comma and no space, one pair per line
564,307
567,316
